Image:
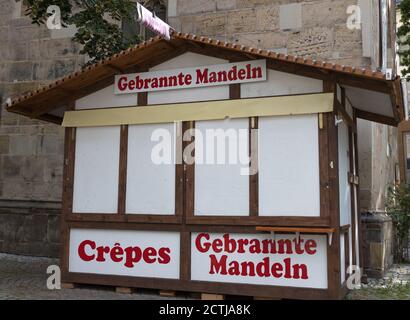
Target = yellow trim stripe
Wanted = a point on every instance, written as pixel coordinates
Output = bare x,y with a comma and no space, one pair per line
210,110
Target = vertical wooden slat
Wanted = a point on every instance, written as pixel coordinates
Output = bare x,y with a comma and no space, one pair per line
179,170
122,184
359,220
189,175
67,196
142,98
253,178
333,250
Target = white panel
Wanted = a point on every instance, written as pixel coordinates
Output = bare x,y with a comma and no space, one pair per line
151,180
96,170
289,166
344,164
187,60
215,255
342,259
221,189
149,254
105,98
281,83
371,101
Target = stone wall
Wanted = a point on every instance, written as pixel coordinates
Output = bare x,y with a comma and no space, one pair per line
30,228
31,151
310,28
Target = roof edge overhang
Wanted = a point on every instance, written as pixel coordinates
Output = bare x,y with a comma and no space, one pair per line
39,104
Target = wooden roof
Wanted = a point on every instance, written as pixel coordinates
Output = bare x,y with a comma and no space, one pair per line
41,103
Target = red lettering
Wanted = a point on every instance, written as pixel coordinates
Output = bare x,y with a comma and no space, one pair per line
132,256
101,251
310,246
217,245
202,247
164,257
149,255
202,77
122,83
218,267
81,250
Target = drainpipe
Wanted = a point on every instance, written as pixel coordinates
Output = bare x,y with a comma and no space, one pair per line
383,5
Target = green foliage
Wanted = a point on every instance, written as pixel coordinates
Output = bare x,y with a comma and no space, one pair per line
398,208
403,35
97,31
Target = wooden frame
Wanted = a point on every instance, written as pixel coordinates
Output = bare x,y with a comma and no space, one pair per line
185,223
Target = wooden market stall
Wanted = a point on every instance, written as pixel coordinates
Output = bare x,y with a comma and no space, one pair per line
282,222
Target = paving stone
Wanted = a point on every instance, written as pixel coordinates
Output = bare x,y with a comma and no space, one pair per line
24,277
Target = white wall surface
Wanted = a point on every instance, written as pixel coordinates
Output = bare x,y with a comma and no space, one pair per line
281,83
96,170
220,189
289,166
105,98
344,168
150,184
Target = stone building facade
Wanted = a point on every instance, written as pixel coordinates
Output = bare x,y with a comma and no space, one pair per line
31,152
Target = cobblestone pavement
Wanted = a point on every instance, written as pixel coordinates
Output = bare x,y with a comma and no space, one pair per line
23,277
397,275
395,285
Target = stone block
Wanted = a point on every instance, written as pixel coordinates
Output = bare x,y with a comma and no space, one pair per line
211,24
41,49
347,42
251,3
53,229
27,33
48,144
32,169
267,18
4,33
4,144
53,168
67,32
262,40
53,69
23,145
11,166
324,13
175,23
195,6
18,51
314,43
290,16
10,225
20,71
225,5
5,51
188,24
172,8
35,228
50,191
241,21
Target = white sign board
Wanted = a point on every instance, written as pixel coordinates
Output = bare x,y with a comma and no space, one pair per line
203,76
282,260
152,254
